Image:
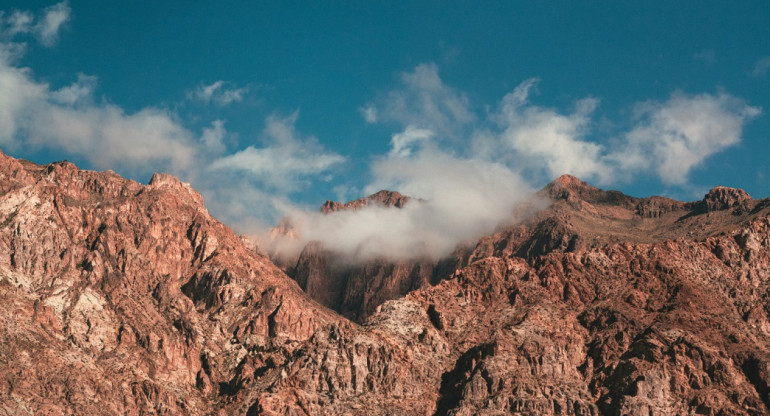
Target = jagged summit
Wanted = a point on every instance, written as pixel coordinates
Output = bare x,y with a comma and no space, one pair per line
383,197
574,190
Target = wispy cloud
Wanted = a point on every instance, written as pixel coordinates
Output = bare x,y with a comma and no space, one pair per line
424,101
369,113
45,29
707,56
761,67
220,93
284,160
402,144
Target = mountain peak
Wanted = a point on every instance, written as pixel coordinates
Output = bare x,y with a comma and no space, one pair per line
567,185
384,197
164,180
576,192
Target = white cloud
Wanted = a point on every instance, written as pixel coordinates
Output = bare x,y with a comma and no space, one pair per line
285,160
47,28
18,22
33,115
424,101
369,114
459,201
243,188
17,93
80,91
546,138
220,93
674,137
761,67
213,138
403,143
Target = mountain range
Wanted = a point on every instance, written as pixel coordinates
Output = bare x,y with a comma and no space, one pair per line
123,298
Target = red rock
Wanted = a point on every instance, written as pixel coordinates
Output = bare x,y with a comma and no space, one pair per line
120,298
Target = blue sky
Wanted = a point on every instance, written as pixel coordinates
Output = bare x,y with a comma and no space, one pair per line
271,107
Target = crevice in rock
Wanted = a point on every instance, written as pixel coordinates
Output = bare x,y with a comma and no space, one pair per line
751,370
453,382
435,317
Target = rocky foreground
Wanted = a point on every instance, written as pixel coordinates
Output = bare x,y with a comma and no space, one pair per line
119,298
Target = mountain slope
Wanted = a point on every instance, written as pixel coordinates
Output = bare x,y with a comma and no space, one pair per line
131,293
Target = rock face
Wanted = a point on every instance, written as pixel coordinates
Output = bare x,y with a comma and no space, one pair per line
120,298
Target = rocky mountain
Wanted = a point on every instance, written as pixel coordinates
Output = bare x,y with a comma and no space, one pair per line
121,298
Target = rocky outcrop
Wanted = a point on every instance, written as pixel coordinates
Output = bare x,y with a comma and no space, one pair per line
120,298
722,198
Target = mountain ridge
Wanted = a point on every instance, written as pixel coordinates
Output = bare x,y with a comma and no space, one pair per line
598,304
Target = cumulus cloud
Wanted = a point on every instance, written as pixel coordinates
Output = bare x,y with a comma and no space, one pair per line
220,93
674,137
35,116
550,139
